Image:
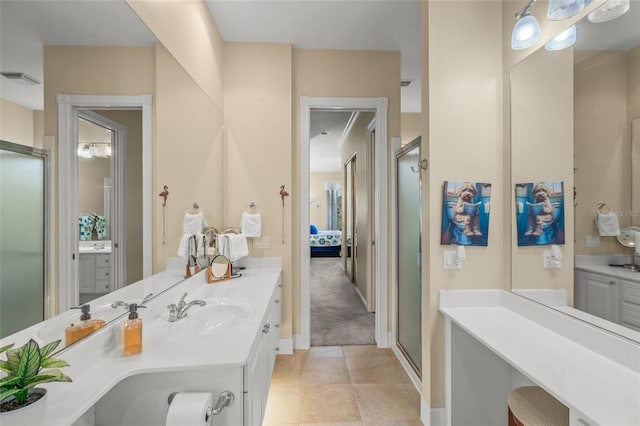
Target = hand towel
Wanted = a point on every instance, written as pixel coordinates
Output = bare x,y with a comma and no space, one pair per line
607,223
251,224
234,246
192,225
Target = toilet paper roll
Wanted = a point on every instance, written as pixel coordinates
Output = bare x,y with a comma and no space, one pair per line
190,409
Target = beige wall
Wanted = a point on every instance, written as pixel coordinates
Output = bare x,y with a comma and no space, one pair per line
187,155
464,80
411,126
542,150
357,143
601,144
633,113
258,158
341,73
89,70
16,123
188,32
317,193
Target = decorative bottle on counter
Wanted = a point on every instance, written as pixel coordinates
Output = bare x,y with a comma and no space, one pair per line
86,326
133,331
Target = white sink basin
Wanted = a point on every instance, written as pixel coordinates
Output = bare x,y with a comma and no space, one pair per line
217,316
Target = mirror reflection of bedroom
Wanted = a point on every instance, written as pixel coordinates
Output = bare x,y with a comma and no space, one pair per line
340,217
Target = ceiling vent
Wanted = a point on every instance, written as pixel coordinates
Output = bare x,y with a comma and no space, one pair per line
405,83
20,77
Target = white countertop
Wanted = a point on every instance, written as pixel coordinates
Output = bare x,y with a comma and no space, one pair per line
97,363
587,369
600,265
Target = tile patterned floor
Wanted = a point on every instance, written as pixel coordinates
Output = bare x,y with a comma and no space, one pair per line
358,385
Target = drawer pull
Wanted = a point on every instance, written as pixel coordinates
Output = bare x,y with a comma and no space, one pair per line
276,301
278,325
265,329
277,348
612,282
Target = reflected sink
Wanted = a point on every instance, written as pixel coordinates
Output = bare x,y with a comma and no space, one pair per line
53,329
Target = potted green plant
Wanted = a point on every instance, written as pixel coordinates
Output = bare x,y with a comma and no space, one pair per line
26,367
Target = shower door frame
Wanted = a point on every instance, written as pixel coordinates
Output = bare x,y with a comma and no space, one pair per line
48,301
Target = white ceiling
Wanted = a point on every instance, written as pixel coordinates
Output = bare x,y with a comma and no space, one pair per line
325,150
27,25
330,24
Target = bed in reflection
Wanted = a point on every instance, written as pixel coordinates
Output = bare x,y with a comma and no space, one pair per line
325,243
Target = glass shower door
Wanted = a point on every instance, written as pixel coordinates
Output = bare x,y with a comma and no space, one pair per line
409,257
22,236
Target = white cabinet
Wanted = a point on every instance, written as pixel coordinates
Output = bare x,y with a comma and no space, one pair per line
259,368
598,295
630,304
95,272
611,297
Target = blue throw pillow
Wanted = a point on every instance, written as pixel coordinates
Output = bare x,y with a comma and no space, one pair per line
313,230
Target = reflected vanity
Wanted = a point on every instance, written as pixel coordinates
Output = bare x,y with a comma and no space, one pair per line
576,118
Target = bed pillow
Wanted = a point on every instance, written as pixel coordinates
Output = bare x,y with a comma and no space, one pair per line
313,230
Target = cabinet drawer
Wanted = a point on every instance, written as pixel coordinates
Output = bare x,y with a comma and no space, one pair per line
630,291
103,286
103,260
103,273
630,316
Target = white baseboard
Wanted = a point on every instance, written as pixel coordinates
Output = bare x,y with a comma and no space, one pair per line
298,343
438,417
286,346
362,299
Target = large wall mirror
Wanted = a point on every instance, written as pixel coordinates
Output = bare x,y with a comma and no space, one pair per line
575,119
71,46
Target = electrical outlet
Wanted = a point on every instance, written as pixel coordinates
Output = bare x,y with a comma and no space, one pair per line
592,241
451,261
261,243
549,262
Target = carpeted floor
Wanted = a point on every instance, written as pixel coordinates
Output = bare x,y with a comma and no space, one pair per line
337,314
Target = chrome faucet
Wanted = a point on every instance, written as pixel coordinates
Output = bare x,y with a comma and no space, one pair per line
179,311
117,303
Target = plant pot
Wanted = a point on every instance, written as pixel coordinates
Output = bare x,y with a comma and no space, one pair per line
28,415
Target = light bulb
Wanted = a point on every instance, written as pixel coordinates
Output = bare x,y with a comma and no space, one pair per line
563,40
563,9
526,32
610,10
107,150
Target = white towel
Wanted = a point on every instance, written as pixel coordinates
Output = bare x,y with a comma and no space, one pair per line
234,246
251,224
607,224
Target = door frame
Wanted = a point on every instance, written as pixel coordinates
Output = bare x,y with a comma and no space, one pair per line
380,106
68,106
117,210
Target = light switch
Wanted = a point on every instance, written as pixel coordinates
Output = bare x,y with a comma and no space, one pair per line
592,241
261,242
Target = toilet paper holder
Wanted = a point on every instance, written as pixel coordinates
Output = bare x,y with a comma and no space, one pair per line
225,399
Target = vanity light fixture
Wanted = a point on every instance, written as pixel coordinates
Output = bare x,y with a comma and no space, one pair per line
526,31
563,9
563,40
610,10
83,151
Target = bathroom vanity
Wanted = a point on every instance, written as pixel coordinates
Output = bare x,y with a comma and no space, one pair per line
496,341
608,292
229,344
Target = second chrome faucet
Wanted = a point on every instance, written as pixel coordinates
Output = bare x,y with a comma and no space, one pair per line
179,311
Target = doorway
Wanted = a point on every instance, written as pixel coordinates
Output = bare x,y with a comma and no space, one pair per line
96,109
379,105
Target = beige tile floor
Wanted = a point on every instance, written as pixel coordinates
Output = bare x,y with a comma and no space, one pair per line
341,386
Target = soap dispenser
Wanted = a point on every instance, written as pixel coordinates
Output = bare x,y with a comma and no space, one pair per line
133,331
86,326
